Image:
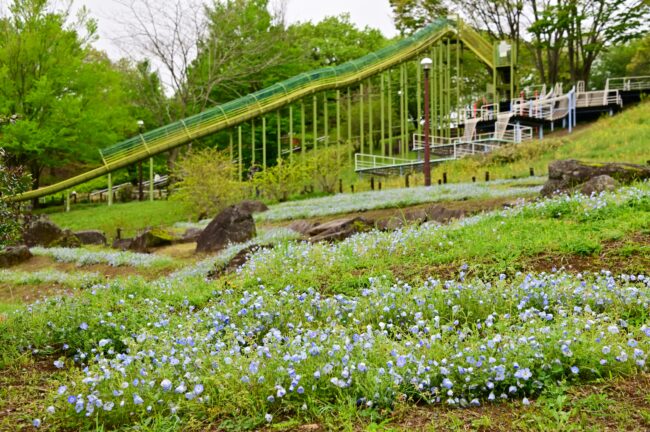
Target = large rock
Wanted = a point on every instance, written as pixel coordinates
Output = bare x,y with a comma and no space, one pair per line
338,229
122,244
42,232
233,225
252,207
149,239
302,226
91,237
434,213
68,239
596,185
14,255
566,175
191,235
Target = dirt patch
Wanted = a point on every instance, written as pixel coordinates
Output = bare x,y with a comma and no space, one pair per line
619,404
182,251
629,255
23,391
30,293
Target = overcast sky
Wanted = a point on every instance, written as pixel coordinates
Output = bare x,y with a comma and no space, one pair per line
373,13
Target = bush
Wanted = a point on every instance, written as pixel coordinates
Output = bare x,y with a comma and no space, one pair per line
206,181
282,180
12,181
325,166
125,193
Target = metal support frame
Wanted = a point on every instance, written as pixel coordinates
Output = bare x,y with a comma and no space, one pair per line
361,117
110,189
264,142
151,176
241,156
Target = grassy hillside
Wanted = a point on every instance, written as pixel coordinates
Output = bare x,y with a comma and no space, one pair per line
622,138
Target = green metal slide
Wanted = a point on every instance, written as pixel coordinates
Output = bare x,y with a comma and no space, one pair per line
272,98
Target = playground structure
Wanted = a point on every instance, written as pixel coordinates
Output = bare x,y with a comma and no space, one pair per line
383,78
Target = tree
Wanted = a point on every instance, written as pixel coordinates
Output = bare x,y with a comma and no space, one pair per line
206,181
591,25
206,53
67,98
333,41
640,62
564,37
413,14
12,182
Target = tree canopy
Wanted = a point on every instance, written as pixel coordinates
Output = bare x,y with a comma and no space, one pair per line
66,97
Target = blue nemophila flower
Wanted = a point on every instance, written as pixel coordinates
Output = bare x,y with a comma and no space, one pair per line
524,374
36,423
575,369
198,389
446,383
62,389
59,364
166,384
268,418
71,399
83,326
362,367
137,400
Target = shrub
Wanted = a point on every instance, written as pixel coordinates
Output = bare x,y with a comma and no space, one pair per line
325,166
282,180
206,181
12,181
125,193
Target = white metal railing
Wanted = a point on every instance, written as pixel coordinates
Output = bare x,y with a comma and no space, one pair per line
598,98
628,83
485,112
364,162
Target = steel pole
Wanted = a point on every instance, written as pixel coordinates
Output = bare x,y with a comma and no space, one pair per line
427,117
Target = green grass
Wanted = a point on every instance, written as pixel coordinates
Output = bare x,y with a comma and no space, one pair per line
130,217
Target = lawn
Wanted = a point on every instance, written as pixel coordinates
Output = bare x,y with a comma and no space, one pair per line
130,217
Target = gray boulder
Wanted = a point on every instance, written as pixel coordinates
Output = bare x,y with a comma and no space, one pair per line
338,229
233,225
566,175
596,185
68,239
91,237
252,207
150,239
191,235
302,226
14,255
122,244
42,232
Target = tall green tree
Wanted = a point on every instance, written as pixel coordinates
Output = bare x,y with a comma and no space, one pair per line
66,97
413,14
